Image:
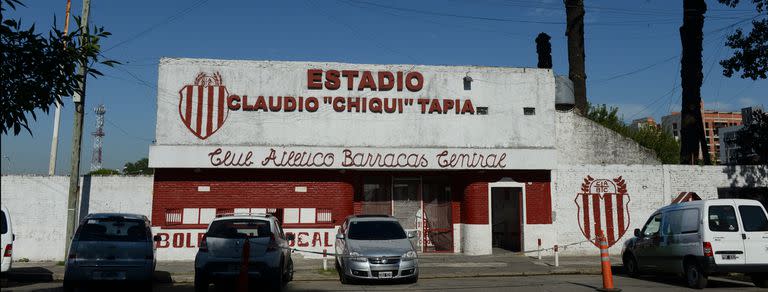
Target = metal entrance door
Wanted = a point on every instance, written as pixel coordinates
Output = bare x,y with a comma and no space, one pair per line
506,218
437,220
406,206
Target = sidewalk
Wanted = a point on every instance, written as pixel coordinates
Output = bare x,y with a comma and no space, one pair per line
430,266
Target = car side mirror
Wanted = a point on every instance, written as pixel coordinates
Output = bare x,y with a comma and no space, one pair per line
411,234
339,235
290,237
637,232
157,238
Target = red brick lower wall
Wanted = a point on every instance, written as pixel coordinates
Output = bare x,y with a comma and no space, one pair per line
177,188
332,189
538,198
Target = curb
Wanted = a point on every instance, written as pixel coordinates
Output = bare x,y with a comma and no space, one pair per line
190,278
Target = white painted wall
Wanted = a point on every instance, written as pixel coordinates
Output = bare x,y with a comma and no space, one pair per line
583,141
38,205
476,239
505,91
649,187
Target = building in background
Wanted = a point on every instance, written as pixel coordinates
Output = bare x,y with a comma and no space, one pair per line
713,122
728,147
643,123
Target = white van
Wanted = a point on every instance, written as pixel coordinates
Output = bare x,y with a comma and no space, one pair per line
701,238
7,240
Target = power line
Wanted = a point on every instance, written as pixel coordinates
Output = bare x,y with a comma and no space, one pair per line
126,132
168,20
511,20
641,69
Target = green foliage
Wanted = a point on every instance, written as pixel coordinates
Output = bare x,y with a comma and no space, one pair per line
36,70
750,54
104,171
665,146
753,140
140,167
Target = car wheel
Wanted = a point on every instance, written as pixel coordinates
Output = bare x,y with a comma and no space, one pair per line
760,280
276,283
147,286
288,272
346,279
201,282
342,278
695,276
630,266
69,286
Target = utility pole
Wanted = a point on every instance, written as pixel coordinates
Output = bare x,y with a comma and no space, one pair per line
57,115
574,11
77,135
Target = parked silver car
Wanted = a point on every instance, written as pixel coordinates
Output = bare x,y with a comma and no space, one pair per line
375,247
219,258
111,247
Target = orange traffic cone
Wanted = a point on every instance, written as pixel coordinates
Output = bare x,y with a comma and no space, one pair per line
242,281
605,262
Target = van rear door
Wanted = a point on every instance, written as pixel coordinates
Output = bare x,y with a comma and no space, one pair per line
724,234
755,234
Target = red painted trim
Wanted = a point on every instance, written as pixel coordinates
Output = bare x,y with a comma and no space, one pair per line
209,122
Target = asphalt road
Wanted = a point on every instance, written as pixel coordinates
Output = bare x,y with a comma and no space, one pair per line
566,283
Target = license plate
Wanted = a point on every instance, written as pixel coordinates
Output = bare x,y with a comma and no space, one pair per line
385,274
730,257
109,275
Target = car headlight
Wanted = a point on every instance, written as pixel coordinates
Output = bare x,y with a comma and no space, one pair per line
357,257
409,256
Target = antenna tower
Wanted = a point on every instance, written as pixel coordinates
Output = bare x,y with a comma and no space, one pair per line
98,137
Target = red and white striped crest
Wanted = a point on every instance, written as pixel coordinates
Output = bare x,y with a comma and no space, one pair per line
202,105
603,205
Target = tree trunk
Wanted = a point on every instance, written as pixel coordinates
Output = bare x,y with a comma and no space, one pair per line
544,51
692,126
574,10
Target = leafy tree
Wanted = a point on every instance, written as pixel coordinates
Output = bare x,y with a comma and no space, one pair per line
36,70
104,171
753,140
751,50
140,167
663,144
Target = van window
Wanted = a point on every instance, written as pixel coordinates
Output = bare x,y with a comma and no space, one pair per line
3,224
672,222
690,221
652,227
680,222
113,229
753,218
723,218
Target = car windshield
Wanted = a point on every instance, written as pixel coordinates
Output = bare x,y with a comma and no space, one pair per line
113,229
239,228
375,230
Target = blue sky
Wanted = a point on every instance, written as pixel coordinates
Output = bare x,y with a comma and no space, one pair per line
632,50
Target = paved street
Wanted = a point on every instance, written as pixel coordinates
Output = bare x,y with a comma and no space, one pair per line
569,283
